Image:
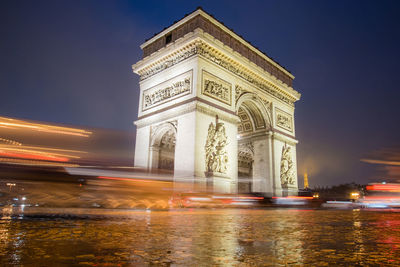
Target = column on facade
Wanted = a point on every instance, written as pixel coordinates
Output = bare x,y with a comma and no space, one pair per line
262,173
142,146
276,152
154,156
185,156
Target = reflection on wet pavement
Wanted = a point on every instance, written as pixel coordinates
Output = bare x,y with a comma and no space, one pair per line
236,237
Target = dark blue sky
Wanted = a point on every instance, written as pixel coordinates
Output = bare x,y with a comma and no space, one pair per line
70,62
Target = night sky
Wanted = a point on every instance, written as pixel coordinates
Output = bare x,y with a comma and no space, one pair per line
70,62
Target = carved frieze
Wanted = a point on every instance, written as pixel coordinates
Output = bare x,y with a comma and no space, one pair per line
215,148
287,167
284,120
206,52
173,88
216,88
171,61
202,49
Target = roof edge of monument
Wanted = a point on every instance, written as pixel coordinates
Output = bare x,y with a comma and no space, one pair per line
201,11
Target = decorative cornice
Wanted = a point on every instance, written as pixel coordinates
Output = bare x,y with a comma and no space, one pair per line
201,48
218,58
200,20
168,61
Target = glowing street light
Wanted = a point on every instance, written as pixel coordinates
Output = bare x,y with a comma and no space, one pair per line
10,185
354,195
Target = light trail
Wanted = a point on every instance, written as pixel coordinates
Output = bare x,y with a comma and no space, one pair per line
382,162
36,163
8,122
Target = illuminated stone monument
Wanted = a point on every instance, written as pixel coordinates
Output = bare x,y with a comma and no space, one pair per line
215,110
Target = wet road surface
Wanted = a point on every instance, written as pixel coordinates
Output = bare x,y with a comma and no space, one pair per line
201,237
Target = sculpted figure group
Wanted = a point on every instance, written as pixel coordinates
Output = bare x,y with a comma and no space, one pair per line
216,155
287,167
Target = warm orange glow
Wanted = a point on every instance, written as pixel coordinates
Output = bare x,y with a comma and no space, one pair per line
36,163
294,197
7,122
383,162
33,156
54,149
384,187
8,141
129,179
251,197
22,152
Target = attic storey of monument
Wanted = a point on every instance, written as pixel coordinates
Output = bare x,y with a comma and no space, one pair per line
224,110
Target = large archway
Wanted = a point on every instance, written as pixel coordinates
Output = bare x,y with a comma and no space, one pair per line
162,149
253,126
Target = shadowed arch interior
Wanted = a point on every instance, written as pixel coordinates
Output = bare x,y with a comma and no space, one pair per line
253,120
163,147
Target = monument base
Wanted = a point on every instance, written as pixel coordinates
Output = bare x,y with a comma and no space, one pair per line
218,182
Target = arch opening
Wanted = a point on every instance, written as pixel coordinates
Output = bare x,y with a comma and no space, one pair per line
162,150
253,120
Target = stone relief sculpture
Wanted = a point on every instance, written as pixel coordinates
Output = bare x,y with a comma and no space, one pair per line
216,88
267,104
239,91
216,155
202,49
168,90
160,95
287,167
284,120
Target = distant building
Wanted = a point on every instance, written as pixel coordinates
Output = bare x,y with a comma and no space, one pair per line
306,180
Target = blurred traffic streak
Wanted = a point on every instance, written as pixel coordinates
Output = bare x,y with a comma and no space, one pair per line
30,143
377,196
24,143
293,200
10,123
381,195
386,162
204,200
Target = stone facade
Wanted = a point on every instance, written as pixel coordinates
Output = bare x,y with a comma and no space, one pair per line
227,108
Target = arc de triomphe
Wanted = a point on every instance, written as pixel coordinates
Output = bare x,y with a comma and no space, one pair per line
215,110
